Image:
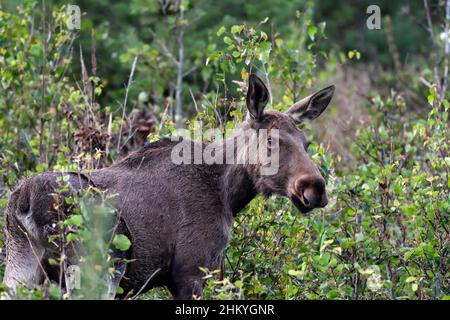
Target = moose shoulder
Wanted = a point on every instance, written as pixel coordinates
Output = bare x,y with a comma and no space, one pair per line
178,216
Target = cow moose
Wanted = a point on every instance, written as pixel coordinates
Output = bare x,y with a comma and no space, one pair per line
177,216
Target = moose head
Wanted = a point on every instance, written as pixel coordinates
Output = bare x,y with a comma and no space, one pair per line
297,178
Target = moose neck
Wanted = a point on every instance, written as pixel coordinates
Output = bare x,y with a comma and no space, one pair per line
237,184
238,188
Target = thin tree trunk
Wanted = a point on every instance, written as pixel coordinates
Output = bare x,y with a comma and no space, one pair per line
43,88
180,73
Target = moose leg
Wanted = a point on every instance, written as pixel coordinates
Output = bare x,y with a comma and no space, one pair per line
186,276
23,260
185,286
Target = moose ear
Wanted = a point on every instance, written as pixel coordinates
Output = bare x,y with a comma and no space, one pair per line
311,107
257,97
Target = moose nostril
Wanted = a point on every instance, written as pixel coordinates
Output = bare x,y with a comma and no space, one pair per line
308,197
305,199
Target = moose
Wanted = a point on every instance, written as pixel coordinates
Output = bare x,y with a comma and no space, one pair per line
177,216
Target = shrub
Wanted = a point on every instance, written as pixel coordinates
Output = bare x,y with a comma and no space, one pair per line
383,236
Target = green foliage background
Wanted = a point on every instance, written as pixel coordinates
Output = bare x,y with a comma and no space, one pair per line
384,234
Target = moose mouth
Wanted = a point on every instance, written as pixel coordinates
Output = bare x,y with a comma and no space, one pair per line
298,204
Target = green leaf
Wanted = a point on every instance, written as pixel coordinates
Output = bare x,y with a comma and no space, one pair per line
410,279
53,262
312,30
264,53
236,54
221,31
41,167
239,283
121,242
72,237
184,5
54,291
294,272
227,40
75,220
119,290
237,29
244,74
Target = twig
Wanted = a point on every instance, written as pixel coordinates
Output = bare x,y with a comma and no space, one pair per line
193,99
425,82
145,284
124,106
429,22
185,74
87,87
35,254
164,116
163,48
